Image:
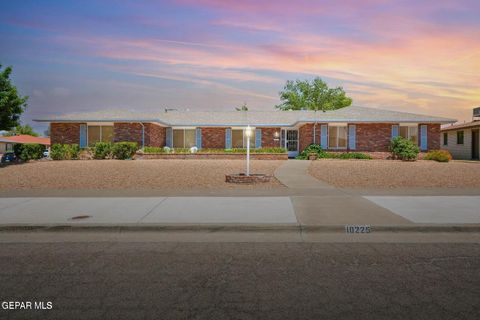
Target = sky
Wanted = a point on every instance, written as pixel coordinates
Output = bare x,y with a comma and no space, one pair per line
420,56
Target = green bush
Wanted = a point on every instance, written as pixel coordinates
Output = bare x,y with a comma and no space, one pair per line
124,150
28,151
102,150
312,148
64,151
404,149
439,155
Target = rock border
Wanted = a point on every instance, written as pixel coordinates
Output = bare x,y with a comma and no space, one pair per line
243,178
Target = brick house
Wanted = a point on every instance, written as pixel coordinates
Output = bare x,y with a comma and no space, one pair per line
347,129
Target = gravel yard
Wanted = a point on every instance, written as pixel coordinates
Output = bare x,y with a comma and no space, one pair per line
146,174
396,174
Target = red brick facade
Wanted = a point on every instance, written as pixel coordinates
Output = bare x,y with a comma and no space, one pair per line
65,133
155,135
305,134
213,138
373,136
268,137
433,136
132,132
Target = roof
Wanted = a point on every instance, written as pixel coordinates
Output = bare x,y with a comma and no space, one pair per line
254,118
25,138
471,124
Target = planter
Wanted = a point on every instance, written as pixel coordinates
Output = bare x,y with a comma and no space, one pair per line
244,179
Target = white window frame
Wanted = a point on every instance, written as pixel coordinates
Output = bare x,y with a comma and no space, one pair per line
99,124
337,125
183,128
244,139
409,134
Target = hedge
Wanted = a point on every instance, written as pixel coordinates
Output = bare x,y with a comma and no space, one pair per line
221,151
28,151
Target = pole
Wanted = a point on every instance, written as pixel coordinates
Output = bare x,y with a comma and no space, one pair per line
248,154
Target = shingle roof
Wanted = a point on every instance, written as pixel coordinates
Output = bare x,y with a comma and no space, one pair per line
472,124
254,118
25,138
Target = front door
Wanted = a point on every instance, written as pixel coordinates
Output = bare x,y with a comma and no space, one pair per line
290,142
475,144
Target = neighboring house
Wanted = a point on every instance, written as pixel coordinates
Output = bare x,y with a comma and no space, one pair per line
462,140
7,143
346,129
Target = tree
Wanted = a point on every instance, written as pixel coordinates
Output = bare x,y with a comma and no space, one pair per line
26,129
12,105
312,95
243,107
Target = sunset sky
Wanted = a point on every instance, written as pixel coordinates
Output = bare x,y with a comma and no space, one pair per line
417,56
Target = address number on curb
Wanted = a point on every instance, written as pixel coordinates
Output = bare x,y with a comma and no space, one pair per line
353,228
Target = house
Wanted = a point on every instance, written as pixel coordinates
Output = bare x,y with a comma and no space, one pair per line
7,143
462,140
347,129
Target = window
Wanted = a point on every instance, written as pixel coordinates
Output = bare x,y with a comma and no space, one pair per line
337,137
9,147
239,139
410,132
445,138
459,137
99,133
184,138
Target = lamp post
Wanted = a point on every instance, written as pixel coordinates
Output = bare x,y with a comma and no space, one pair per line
248,134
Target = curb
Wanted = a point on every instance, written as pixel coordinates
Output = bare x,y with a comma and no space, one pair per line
235,227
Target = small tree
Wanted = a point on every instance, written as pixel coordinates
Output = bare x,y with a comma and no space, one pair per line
12,105
26,129
312,95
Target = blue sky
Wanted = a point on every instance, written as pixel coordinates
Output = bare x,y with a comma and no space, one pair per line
73,56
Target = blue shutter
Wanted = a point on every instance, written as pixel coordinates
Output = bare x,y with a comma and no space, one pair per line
352,143
83,136
169,138
394,131
423,137
258,138
199,138
324,136
228,138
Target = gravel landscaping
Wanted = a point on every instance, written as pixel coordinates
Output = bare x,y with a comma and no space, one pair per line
117,174
396,174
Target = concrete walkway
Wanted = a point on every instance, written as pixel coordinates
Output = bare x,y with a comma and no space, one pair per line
294,174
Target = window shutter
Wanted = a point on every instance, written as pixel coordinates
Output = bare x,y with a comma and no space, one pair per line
258,138
352,131
169,138
198,138
228,138
83,136
423,137
324,136
394,131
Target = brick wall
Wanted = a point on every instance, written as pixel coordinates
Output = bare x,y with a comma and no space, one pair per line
65,133
373,136
213,138
305,133
268,137
155,135
433,136
131,132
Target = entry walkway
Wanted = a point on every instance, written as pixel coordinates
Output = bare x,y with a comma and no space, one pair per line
294,174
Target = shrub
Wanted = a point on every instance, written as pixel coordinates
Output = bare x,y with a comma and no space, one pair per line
64,151
312,148
124,150
28,151
404,149
102,150
207,150
353,155
439,155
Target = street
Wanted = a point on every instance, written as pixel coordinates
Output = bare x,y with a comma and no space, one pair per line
240,280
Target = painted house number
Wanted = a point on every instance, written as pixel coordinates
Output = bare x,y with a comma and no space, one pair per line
353,228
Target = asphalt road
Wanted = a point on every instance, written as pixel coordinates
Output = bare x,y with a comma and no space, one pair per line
182,280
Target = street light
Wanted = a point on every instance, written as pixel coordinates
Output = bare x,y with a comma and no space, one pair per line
248,134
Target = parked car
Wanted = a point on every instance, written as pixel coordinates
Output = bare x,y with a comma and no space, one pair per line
46,153
8,157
